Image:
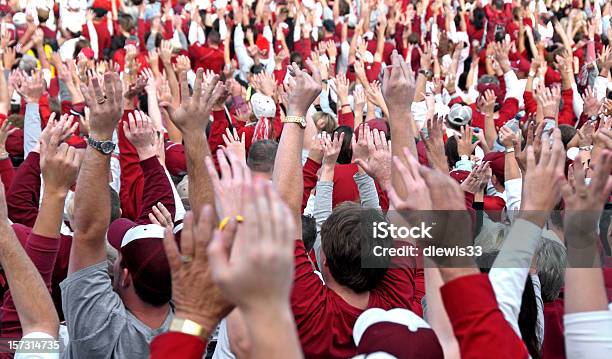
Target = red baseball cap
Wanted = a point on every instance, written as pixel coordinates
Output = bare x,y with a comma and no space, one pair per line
142,252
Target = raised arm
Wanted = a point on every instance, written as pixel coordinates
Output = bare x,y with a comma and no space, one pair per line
191,118
92,198
304,89
398,90
32,300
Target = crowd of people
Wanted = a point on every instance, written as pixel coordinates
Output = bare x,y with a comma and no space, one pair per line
189,179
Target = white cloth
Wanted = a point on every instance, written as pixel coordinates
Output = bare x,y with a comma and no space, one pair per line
511,268
588,335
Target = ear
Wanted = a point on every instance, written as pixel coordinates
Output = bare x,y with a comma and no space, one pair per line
126,278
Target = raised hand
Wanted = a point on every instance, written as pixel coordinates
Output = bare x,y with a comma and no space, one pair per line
140,132
591,103
549,99
341,85
584,204
234,143
161,216
195,295
229,188
6,130
331,148
477,179
304,89
543,179
32,87
434,143
377,164
59,162
194,109
398,84
105,106
418,196
259,275
465,147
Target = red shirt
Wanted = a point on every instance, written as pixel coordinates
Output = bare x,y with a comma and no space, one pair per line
479,325
177,345
104,37
325,321
207,58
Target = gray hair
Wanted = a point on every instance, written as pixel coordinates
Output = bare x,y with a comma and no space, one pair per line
551,263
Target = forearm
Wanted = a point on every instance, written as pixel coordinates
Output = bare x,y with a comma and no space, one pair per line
91,209
201,190
49,220
287,163
31,127
402,135
32,300
272,333
367,190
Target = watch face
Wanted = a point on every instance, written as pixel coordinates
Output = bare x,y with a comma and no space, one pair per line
107,147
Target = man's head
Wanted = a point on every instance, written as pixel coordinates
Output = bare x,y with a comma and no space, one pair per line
346,236
214,38
141,271
459,115
261,156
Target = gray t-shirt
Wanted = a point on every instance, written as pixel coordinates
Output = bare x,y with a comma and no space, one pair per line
99,325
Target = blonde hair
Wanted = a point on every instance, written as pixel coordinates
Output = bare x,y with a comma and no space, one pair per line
330,121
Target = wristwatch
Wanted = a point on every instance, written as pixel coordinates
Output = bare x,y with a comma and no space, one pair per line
187,326
531,73
106,147
300,120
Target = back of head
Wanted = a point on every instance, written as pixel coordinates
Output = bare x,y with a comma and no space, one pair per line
567,133
346,151
261,156
551,262
214,38
347,242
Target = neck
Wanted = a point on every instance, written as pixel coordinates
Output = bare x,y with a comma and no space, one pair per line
152,317
357,300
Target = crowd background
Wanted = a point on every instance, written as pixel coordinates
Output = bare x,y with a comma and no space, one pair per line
192,178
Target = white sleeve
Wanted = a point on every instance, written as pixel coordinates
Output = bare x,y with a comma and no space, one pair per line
577,102
511,268
600,86
512,85
32,355
513,189
588,335
31,128
419,113
196,34
222,29
115,169
93,38
244,60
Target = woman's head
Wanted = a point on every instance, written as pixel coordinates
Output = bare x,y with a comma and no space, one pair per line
324,122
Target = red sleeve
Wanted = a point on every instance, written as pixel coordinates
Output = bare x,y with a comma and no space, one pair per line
309,172
531,105
141,35
7,172
403,285
23,196
279,75
346,119
217,130
308,293
248,136
277,124
132,181
303,47
478,324
43,253
508,110
174,345
157,188
566,114
168,30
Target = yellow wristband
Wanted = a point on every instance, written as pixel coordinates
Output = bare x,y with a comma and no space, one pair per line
226,220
